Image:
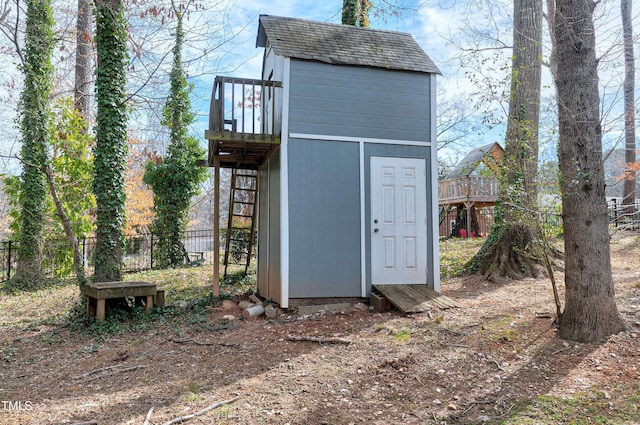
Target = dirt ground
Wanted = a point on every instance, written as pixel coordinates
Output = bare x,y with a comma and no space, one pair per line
496,359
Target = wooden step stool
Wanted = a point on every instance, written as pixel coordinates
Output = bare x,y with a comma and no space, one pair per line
98,292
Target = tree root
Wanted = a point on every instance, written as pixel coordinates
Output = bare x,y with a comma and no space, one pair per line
513,254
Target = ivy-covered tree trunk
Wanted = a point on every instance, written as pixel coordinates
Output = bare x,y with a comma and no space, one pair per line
356,12
510,251
590,312
176,179
34,108
111,138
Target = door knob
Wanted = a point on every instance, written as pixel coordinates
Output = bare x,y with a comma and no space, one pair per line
376,230
375,221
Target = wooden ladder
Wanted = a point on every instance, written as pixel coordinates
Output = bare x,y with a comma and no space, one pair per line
242,208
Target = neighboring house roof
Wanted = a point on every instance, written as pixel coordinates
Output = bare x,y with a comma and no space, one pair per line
338,44
490,154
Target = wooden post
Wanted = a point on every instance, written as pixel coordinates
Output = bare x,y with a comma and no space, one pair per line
468,206
100,309
216,226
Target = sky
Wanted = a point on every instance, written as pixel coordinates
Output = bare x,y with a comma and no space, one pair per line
433,23
423,23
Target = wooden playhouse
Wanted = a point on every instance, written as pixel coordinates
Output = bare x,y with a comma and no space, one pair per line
468,194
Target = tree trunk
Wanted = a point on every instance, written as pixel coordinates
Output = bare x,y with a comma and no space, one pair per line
66,225
629,184
111,139
82,85
516,205
590,311
350,12
34,109
520,164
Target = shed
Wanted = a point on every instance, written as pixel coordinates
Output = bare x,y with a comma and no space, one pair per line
341,130
469,192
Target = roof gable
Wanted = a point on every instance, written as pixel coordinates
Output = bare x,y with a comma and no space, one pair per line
491,155
338,44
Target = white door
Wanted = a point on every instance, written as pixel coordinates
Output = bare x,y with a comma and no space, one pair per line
398,220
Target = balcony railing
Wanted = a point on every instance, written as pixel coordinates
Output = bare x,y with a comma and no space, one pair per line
467,189
245,109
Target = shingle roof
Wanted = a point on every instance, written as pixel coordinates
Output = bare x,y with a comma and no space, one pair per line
343,44
473,158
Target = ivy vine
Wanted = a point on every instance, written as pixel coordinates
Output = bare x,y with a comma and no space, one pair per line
111,138
175,179
33,115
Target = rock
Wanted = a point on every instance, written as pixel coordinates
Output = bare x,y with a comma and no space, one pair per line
436,401
483,418
452,406
255,299
228,305
361,307
229,317
183,304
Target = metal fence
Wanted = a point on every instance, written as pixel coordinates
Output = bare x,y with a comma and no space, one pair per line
142,252
623,215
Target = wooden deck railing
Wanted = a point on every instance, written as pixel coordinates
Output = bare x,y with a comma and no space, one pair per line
467,188
245,109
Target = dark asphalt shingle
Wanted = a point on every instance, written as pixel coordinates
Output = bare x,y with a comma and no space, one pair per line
338,44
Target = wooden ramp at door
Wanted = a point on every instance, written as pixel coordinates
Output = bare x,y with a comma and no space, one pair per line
415,298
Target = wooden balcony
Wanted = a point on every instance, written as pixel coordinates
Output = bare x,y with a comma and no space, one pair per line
245,121
476,189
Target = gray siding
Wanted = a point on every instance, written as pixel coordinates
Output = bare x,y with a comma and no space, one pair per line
324,219
359,102
269,237
401,151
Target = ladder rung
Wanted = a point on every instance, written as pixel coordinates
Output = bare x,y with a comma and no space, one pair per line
244,203
242,215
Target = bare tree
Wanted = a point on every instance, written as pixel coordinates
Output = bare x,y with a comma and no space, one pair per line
629,185
590,310
84,54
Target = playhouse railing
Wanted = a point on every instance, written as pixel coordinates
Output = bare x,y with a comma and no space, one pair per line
245,109
467,188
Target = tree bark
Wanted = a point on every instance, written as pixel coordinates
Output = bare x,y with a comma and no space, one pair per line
82,85
590,310
34,109
66,225
111,139
629,184
520,166
516,206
